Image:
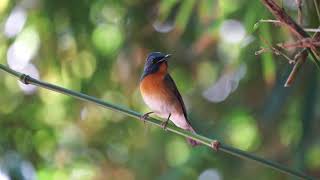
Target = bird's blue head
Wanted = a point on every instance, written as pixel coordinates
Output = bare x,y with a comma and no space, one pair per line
153,62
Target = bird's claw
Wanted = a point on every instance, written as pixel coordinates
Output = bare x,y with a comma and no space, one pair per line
165,123
215,145
145,116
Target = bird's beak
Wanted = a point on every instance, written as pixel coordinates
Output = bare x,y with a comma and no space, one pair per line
165,58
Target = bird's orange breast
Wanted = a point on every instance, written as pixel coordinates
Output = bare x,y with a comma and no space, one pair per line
152,84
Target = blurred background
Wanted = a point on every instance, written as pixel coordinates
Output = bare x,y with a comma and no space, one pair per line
98,47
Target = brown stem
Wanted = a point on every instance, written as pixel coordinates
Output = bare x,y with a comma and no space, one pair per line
285,19
303,43
300,58
274,50
299,32
299,5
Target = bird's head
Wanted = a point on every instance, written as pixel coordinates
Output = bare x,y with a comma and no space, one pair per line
156,61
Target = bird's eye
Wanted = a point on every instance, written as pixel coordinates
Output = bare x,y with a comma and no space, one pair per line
154,61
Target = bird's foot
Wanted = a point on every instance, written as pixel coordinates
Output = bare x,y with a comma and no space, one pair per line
145,116
165,123
215,145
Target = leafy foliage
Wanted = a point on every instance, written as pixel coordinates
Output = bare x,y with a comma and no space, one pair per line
98,47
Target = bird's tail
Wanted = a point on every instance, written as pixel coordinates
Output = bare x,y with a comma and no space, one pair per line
191,141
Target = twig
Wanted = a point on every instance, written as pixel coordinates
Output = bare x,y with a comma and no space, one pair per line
312,29
302,43
204,140
299,5
316,37
275,50
277,22
298,31
300,58
317,9
284,18
269,21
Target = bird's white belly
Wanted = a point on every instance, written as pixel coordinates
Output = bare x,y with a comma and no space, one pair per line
162,109
158,105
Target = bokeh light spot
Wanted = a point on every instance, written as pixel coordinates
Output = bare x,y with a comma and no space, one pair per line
4,176
243,131
177,152
3,5
28,171
107,39
85,65
210,174
16,167
163,27
60,175
15,22
23,49
232,31
102,11
82,171
228,6
225,85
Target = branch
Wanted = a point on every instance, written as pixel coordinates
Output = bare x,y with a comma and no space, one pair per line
299,59
284,18
312,29
276,51
278,23
297,30
303,43
204,140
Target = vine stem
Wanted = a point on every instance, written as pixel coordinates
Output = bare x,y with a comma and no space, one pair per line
26,79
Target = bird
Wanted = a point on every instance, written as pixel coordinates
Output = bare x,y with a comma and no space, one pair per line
161,94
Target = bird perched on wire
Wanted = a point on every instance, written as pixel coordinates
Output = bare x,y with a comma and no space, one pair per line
160,93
